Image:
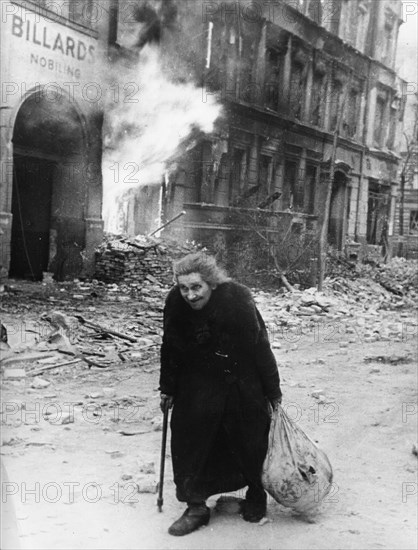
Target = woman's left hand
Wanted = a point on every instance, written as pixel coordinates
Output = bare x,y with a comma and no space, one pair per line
275,402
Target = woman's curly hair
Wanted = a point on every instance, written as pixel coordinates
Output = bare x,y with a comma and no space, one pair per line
202,263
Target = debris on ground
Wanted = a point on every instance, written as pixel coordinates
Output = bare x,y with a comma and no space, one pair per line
391,359
116,322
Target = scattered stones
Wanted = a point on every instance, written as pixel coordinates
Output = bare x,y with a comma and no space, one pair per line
115,453
95,395
147,468
389,359
67,419
40,383
318,394
157,422
147,485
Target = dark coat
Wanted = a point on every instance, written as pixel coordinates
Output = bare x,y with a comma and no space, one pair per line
218,365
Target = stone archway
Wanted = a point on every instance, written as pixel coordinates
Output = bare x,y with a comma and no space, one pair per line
49,192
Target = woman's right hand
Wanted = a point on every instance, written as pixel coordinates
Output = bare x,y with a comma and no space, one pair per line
166,401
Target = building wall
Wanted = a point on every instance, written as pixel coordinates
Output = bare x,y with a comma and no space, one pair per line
283,72
50,209
281,75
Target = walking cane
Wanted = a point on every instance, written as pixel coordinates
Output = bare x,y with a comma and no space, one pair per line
162,461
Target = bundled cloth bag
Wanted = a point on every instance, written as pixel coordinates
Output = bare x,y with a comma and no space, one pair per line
296,472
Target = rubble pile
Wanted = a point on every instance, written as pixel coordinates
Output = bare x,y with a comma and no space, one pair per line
132,261
399,276
349,309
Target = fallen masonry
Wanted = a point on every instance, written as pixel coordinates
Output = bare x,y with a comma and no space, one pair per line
143,258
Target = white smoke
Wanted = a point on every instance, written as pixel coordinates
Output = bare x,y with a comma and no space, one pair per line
144,128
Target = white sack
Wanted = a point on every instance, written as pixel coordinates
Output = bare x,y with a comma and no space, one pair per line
296,473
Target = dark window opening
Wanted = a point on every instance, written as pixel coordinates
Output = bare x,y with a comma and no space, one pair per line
318,103
310,184
377,213
387,43
349,126
272,80
236,178
378,121
413,222
292,186
335,101
297,89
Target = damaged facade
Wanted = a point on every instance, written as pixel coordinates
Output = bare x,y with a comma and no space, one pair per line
51,123
405,239
283,71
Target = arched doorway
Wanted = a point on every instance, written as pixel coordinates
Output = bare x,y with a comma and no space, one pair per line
337,211
48,188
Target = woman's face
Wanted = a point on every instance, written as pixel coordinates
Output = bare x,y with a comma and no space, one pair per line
195,290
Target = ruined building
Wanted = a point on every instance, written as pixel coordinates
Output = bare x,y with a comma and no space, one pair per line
287,74
405,238
283,71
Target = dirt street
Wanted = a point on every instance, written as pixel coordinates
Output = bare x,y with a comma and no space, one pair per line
80,445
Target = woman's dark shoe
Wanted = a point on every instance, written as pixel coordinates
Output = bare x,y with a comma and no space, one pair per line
254,507
193,518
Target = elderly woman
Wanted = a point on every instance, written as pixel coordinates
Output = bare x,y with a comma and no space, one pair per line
220,376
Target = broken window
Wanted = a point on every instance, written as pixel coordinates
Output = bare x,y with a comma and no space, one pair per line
363,18
238,164
377,213
272,79
352,29
317,99
310,184
393,124
388,37
265,175
292,187
335,100
413,222
297,89
248,40
351,114
379,120
215,73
